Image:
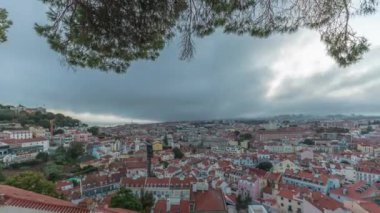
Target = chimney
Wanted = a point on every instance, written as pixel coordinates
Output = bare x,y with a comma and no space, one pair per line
344,191
194,187
2,198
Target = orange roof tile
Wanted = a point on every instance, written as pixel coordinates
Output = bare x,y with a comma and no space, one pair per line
160,206
26,199
322,202
210,200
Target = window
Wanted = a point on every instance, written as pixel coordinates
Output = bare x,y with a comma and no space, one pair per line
282,204
299,203
290,201
282,198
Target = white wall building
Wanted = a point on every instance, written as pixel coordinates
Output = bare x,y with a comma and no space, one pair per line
19,134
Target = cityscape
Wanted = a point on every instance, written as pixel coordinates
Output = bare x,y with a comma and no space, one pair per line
288,163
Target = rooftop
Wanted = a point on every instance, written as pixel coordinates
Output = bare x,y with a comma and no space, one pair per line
208,200
12,196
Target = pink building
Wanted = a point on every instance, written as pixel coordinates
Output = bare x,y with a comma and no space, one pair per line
249,186
81,136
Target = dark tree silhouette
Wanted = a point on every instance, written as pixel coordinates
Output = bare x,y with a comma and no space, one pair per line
109,35
146,200
4,24
177,153
266,165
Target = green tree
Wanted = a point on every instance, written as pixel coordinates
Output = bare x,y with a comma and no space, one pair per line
74,151
33,181
242,202
94,130
110,34
42,156
125,199
308,142
165,164
146,200
166,140
60,155
245,136
52,171
58,132
4,24
236,133
177,153
2,176
266,165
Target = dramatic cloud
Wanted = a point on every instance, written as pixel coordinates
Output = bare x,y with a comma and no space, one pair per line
230,77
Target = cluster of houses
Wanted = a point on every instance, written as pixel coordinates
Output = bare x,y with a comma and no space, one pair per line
316,166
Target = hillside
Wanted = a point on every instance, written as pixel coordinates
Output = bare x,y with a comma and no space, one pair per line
30,117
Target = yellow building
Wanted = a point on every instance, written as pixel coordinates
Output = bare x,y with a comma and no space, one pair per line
365,148
157,146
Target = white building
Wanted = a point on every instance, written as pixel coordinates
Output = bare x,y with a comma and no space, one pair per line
19,134
256,209
31,142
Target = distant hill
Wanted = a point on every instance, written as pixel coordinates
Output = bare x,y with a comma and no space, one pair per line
38,116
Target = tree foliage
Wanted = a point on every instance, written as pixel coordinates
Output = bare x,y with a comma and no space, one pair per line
37,118
71,154
245,136
2,176
5,23
146,200
58,131
177,153
126,199
108,35
75,150
308,142
165,140
33,181
242,202
42,156
94,130
52,171
266,165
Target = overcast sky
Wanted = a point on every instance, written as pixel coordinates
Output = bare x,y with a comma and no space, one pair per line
230,77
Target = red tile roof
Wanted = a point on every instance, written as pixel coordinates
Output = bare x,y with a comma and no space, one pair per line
307,176
13,196
351,190
160,206
184,206
157,182
288,194
175,209
20,141
210,200
114,210
322,202
371,207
